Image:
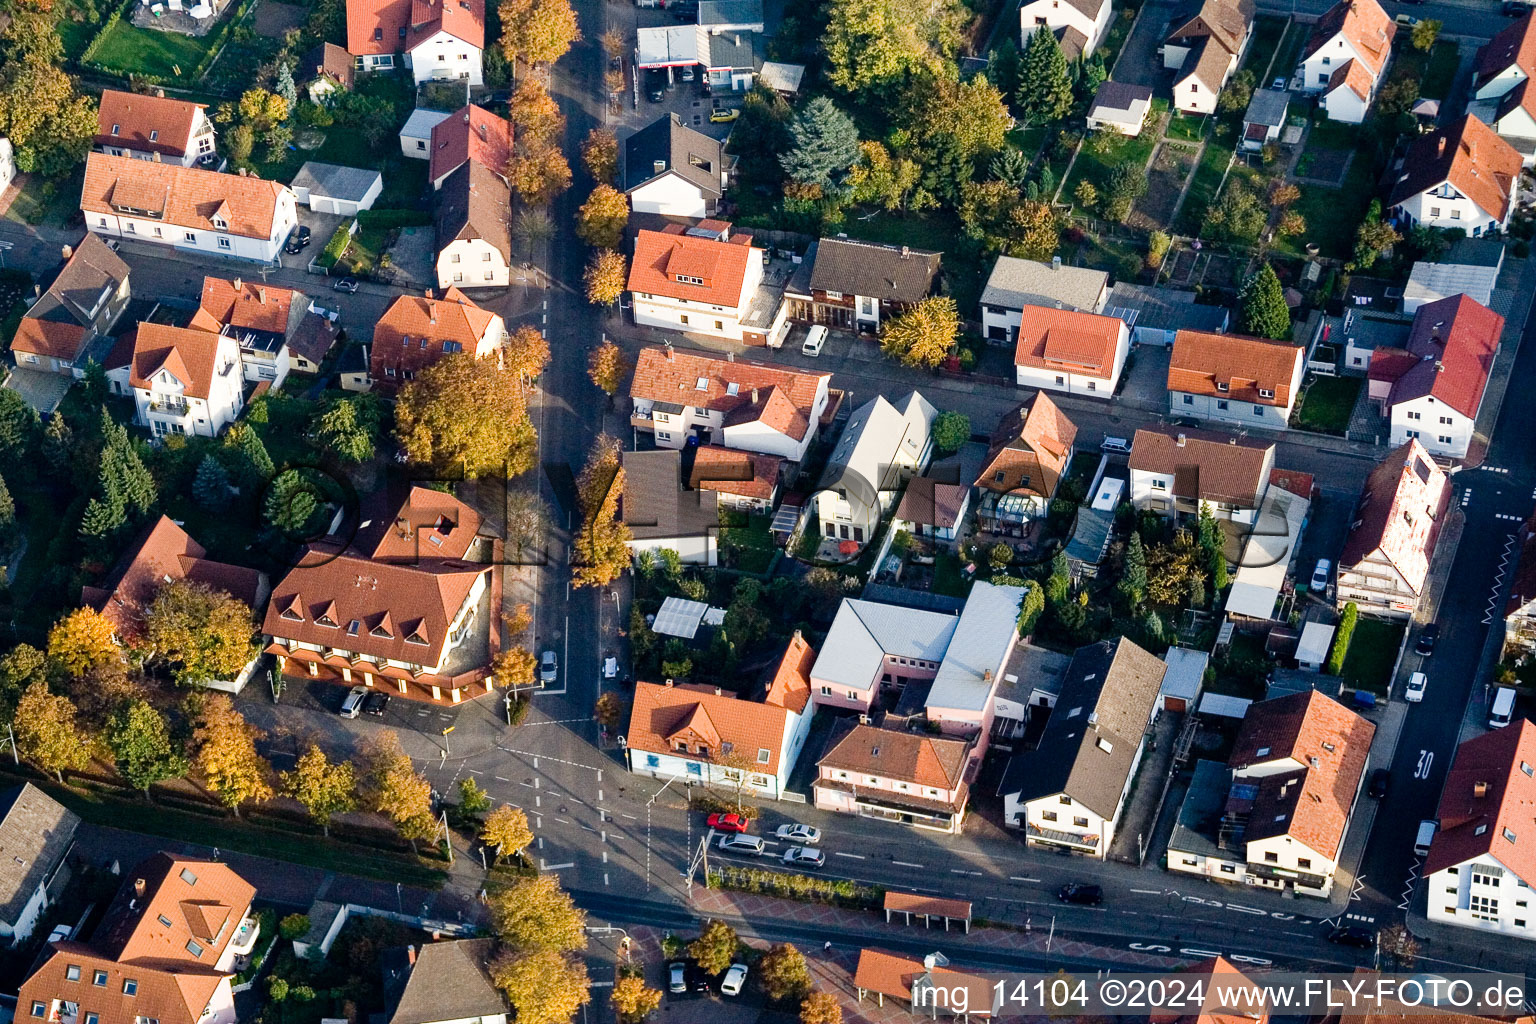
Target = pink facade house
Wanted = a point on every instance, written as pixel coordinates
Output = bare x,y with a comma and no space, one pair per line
907,777
872,645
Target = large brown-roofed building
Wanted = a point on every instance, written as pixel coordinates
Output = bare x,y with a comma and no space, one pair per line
1206,39
1234,378
165,950
1070,351
673,170
1461,176
440,39
1345,59
697,285
70,322
442,983
182,380
1384,566
1026,459
857,286
153,128
262,319
474,229
747,481
913,778
1175,469
471,134
418,330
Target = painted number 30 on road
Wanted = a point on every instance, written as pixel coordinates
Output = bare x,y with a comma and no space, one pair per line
1426,761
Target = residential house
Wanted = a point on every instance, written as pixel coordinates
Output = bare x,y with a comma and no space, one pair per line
857,286
912,778
332,188
474,229
662,514
153,127
1176,470
416,133
1432,389
354,369
741,405
744,481
1156,314
1016,283
674,170
1235,378
187,208
1502,96
469,135
1276,816
1471,267
402,607
165,949
259,318
1264,118
960,700
438,39
324,72
311,342
873,645
442,983
1070,792
70,323
1345,60
1205,41
718,16
881,448
418,330
37,832
1479,873
701,285
182,380
1079,25
1459,176
933,510
1520,606
1118,106
1026,458
704,735
1071,352
1384,567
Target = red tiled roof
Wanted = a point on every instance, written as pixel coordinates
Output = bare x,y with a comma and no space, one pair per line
413,331
662,716
240,303
1401,508
1449,355
668,375
181,196
137,116
1245,365
930,761
1224,976
1034,441
470,133
1365,26
893,975
930,503
1297,483
1067,340
1511,46
188,355
424,524
1490,788
729,471
51,338
1469,155
392,26
720,267
934,906
790,686
1354,76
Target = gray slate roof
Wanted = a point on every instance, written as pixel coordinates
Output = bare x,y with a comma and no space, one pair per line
447,982
732,50
1120,96
336,181
982,638
1167,309
1268,108
864,632
654,504
1115,683
1198,829
35,831
885,272
695,157
91,269
421,122
474,203
1015,283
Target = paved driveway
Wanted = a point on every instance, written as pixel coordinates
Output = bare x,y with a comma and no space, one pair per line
1139,62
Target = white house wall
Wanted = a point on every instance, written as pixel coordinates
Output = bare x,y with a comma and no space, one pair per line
1229,410
1504,900
220,243
670,195
1425,419
1317,69
691,550
1345,105
472,263
1452,210
445,57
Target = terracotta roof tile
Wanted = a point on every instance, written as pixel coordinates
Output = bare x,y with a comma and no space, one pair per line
187,893
1201,361
929,502
1449,355
190,356
662,712
250,304
893,975
1366,27
715,272
1488,805
1401,508
50,338
326,60
425,523
1353,75
729,471
790,686
1034,441
1469,155
136,117
923,760
674,377
1514,46
470,133
392,26
1067,340
416,330
183,196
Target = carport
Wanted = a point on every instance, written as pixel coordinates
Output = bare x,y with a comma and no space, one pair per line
911,905
332,188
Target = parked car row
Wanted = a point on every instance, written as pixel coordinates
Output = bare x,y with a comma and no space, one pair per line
686,976
737,841
361,699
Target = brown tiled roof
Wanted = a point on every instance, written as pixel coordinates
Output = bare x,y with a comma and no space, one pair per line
934,906
1366,27
730,471
661,258
663,375
328,60
1202,360
1514,45
59,323
930,503
423,524
241,303
889,273
470,133
1069,341
790,686
1207,465
165,552
1312,803
181,196
136,116
663,715
1352,75
1034,440
923,760
190,356
1449,355
52,338
35,833
412,332
893,975
391,26
313,338
1207,63
1226,21
475,204
1469,155
447,981
1401,508
1488,805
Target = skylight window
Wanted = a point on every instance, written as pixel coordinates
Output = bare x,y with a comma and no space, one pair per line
1510,836
1262,752
733,388
702,384
188,877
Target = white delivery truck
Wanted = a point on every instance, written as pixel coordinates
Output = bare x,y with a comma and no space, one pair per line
1502,708
1425,837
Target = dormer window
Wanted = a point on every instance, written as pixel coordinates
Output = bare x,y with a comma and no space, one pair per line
416,638
382,632
154,135
702,384
689,279
1223,388
1266,393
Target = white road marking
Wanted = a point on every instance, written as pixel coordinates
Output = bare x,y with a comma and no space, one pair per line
1017,878
631,817
502,778
906,863
852,856
554,867
562,821
1149,892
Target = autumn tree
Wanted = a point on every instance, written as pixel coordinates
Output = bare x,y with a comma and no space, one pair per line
1425,32
391,786
527,527
227,758
200,634
20,667
537,31
872,46
599,553
535,115
324,788
608,711
539,174
784,973
605,277
1003,220
715,948
600,152
525,353
890,182
602,217
49,124
513,668
141,744
506,829
534,915
469,416
544,988
609,366
45,732
632,1001
821,1008
81,641
924,335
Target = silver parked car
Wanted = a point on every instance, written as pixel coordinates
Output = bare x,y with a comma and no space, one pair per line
549,668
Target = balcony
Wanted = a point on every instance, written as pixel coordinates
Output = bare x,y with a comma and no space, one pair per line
1055,837
169,406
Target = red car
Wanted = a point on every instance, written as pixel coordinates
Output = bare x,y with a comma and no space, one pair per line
729,822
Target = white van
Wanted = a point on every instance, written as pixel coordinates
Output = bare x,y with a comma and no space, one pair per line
1503,707
814,339
1426,835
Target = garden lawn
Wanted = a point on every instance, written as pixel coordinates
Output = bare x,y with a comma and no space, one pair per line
948,579
1119,149
1328,405
1267,32
751,546
405,179
1289,51
126,48
1372,653
1333,214
1435,84
1186,127
1202,187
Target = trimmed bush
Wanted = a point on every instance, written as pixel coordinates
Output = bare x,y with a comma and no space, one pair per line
1341,638
805,888
386,219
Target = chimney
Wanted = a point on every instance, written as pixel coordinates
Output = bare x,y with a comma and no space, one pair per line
906,252
67,251
138,887
1180,441
1440,147
730,357
1479,789
669,353
1055,262
718,691
431,312
261,296
669,682
410,955
658,166
754,396
160,94
237,284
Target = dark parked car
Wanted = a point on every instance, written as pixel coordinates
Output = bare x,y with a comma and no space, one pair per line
1379,780
684,12
1360,938
375,703
1425,645
1084,895
656,85
345,284
298,241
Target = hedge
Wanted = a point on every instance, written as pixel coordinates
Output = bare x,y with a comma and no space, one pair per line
839,892
336,247
1341,638
101,33
394,218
